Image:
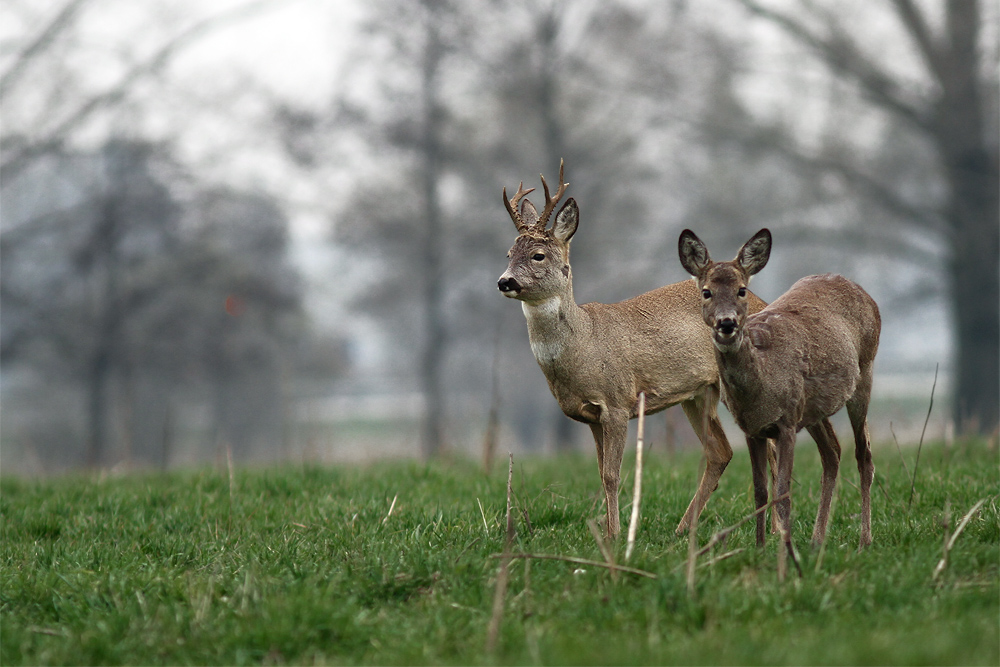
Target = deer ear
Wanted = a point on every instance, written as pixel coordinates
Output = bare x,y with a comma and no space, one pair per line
754,254
566,222
529,216
694,255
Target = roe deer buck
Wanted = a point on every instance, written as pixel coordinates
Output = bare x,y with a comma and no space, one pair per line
598,357
790,366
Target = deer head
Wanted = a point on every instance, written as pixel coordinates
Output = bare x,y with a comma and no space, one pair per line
723,285
538,266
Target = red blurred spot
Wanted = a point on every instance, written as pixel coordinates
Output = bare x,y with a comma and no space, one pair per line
234,305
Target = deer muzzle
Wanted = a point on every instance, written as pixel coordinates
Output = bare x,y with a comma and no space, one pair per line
725,331
509,286
726,326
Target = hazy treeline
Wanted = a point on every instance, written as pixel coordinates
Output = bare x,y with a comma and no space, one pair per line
146,293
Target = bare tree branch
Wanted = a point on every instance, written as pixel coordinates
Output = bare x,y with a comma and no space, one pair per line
842,54
14,163
48,34
876,191
914,21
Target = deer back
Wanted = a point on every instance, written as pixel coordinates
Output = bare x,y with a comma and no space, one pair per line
811,346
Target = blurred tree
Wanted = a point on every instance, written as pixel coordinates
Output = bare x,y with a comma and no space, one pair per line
111,284
594,85
247,314
945,114
457,102
73,277
72,104
123,277
399,213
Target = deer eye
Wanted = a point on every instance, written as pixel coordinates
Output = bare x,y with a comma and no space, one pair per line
742,292
706,293
538,257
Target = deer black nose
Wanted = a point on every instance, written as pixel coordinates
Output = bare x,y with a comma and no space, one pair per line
726,326
508,285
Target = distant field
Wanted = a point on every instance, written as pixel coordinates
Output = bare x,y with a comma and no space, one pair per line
297,565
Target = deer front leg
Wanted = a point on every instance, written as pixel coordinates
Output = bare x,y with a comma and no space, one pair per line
772,463
786,452
610,437
701,412
758,447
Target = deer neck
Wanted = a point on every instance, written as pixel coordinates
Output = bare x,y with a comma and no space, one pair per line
741,369
555,325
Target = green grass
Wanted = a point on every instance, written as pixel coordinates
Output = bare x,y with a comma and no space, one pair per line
307,565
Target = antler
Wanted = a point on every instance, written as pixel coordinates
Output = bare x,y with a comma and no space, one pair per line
550,202
512,204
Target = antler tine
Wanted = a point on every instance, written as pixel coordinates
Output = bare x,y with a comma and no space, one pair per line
550,202
511,204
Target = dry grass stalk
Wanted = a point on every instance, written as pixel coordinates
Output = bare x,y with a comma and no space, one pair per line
503,575
633,524
499,593
724,533
493,419
899,449
943,563
602,545
913,481
729,554
510,493
486,526
232,487
782,555
392,506
232,477
692,558
581,561
786,550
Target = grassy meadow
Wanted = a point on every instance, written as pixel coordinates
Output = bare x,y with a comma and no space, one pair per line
392,563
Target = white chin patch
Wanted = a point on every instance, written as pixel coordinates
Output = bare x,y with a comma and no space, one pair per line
724,342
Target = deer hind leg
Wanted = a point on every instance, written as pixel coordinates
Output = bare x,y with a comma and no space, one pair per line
857,410
829,455
758,465
701,412
610,436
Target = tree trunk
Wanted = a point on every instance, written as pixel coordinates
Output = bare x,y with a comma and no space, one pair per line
554,140
971,167
975,296
975,291
951,117
432,432
97,408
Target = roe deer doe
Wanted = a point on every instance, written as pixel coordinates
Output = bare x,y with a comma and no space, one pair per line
790,366
598,357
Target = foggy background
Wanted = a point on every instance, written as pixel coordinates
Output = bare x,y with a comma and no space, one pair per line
275,227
